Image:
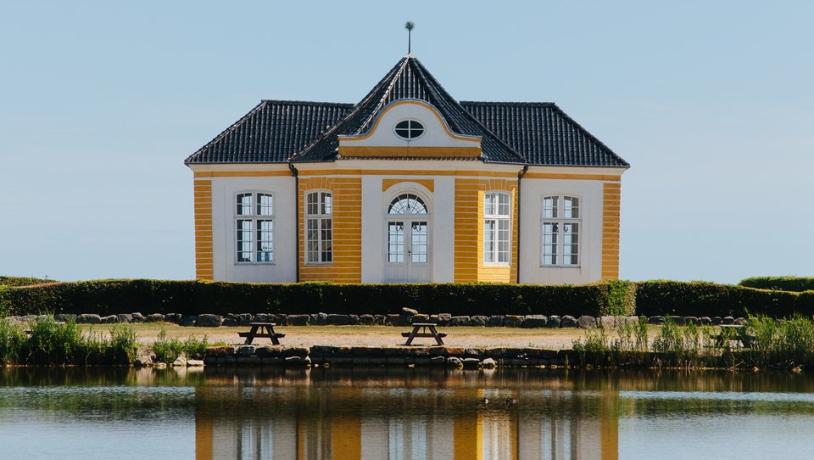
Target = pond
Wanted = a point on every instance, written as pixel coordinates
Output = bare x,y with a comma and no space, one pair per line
403,414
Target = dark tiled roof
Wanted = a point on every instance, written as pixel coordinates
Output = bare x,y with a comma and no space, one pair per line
511,132
408,79
271,132
543,134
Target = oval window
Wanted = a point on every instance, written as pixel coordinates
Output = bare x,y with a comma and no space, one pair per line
409,129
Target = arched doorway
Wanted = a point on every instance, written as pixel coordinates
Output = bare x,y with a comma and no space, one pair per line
407,255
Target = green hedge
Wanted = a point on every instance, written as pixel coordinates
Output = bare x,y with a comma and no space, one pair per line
107,297
710,299
22,281
780,283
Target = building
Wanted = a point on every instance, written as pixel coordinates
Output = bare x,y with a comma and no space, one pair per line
408,185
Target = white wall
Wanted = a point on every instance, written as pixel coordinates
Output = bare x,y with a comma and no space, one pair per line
531,268
284,267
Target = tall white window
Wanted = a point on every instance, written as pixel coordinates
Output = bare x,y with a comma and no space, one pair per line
318,230
254,227
496,228
560,232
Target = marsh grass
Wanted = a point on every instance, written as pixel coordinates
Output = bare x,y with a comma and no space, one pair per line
165,349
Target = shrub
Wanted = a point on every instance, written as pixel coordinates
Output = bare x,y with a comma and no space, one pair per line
22,281
123,346
710,299
107,297
780,283
167,350
12,338
196,347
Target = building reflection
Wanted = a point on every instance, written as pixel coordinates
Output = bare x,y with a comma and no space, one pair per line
385,421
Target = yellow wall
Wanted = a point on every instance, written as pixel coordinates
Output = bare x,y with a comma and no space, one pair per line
612,194
203,229
347,230
469,199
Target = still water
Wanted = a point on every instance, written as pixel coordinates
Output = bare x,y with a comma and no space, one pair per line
403,414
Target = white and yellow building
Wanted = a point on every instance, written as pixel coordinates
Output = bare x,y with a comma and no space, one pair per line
408,185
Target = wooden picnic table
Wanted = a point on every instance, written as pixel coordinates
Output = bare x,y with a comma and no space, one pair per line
424,330
256,331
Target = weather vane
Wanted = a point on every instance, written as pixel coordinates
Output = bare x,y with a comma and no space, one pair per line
409,26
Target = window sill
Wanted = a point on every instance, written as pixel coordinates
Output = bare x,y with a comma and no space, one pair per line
254,263
560,266
497,264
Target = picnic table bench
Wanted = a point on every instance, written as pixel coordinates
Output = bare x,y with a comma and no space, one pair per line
427,330
736,332
256,331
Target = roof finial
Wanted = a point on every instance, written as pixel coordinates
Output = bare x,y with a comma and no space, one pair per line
409,26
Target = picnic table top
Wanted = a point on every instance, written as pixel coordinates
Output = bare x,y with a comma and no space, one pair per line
425,324
262,324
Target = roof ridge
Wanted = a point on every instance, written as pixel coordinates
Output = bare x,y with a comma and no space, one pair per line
300,102
428,75
228,130
350,114
406,61
530,103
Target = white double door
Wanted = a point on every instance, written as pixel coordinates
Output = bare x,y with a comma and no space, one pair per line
407,257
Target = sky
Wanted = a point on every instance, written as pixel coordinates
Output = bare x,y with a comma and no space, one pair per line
712,103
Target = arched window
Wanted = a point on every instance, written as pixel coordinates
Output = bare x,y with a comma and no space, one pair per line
254,227
318,230
561,225
496,228
407,203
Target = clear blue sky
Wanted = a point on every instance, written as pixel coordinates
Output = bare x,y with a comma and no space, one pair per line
711,102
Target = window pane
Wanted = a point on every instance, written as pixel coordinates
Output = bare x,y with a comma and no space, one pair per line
489,204
312,207
244,240
503,204
550,242
327,203
395,242
265,240
312,240
244,204
503,241
325,233
264,204
550,207
570,242
570,207
418,242
489,236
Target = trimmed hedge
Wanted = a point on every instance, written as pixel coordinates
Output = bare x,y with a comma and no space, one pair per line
21,281
107,297
780,283
710,299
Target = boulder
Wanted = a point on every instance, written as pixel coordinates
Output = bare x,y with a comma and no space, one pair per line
229,320
143,361
155,318
244,319
741,321
568,321
207,320
554,321
478,320
172,318
367,319
690,320
393,319
420,318
471,363
246,350
110,319
607,322
296,361
513,320
460,321
656,320
677,320
298,320
495,321
124,318
263,318
409,311
380,320
319,319
717,320
455,362
728,320
65,318
705,320
137,317
338,320
86,318
535,321
188,320
586,322
488,363
179,362
444,319
195,362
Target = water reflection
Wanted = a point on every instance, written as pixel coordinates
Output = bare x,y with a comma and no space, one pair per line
402,414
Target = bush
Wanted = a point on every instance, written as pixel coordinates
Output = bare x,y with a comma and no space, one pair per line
22,281
167,350
710,299
780,283
12,338
107,297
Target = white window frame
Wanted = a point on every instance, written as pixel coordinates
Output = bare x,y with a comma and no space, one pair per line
319,217
492,257
255,218
409,129
561,220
